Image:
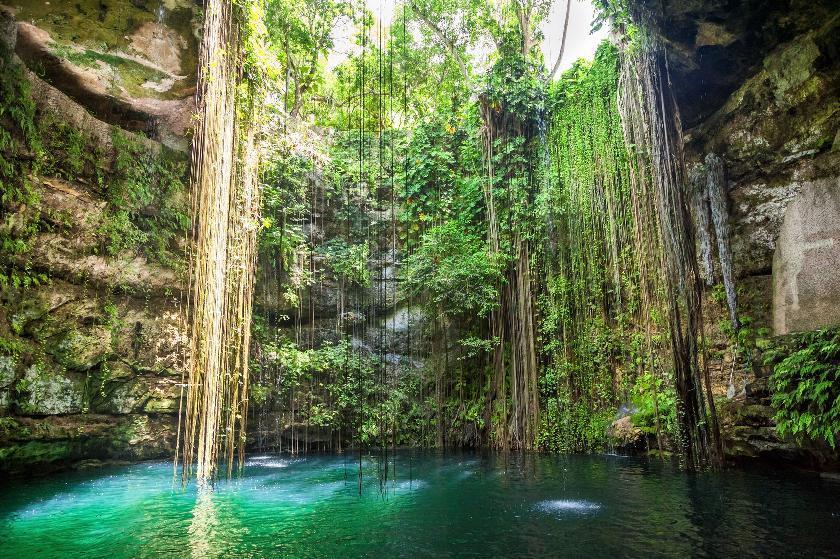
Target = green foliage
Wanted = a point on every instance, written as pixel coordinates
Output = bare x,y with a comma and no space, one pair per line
440,182
619,15
590,325
147,205
285,189
73,155
10,346
21,153
806,385
456,270
649,396
348,262
339,388
513,85
405,130
578,391
568,425
301,35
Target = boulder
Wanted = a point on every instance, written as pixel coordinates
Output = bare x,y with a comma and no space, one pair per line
623,436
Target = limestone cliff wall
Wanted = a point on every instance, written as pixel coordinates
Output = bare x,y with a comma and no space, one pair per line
759,85
90,353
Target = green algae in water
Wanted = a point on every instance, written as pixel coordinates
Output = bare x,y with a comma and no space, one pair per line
456,505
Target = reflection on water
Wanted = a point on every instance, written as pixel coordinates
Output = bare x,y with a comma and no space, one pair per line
431,505
203,526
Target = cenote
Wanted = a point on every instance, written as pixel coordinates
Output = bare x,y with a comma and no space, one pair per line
432,505
565,270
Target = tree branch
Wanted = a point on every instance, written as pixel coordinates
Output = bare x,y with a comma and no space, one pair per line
450,45
562,42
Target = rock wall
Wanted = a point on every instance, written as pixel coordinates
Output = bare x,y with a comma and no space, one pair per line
128,62
759,85
806,287
90,352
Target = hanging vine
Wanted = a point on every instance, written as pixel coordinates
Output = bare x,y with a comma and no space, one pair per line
225,210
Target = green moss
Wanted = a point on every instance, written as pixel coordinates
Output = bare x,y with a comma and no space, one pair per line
34,453
131,74
128,432
9,428
147,202
73,154
10,346
42,391
145,191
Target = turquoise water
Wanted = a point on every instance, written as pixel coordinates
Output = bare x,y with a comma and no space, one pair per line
454,505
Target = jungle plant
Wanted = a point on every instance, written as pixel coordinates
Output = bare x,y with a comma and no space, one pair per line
806,385
456,270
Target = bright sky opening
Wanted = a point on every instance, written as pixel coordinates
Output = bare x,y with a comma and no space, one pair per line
579,42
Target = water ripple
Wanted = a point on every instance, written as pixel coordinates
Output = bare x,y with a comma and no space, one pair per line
567,505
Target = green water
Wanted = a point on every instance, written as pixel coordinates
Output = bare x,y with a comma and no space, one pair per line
455,505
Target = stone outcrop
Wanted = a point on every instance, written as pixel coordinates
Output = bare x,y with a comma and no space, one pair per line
90,358
130,64
758,84
750,431
716,45
776,133
625,437
806,287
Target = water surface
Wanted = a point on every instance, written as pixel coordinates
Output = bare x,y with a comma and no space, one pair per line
453,505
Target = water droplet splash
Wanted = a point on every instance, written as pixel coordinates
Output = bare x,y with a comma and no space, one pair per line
567,506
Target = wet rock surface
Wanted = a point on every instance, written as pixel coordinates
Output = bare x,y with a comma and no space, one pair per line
626,438
805,296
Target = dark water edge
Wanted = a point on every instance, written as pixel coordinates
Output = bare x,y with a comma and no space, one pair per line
430,505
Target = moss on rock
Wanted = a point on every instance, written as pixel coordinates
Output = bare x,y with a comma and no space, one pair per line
45,392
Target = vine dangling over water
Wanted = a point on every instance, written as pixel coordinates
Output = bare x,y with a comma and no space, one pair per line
225,209
651,122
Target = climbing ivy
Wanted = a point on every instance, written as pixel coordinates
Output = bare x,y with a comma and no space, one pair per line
455,270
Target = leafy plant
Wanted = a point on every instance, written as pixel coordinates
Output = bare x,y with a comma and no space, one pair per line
147,206
348,262
456,270
806,385
650,395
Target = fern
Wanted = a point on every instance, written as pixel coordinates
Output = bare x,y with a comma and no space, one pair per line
806,383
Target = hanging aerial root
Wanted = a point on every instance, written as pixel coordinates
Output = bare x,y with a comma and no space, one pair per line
651,121
225,207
